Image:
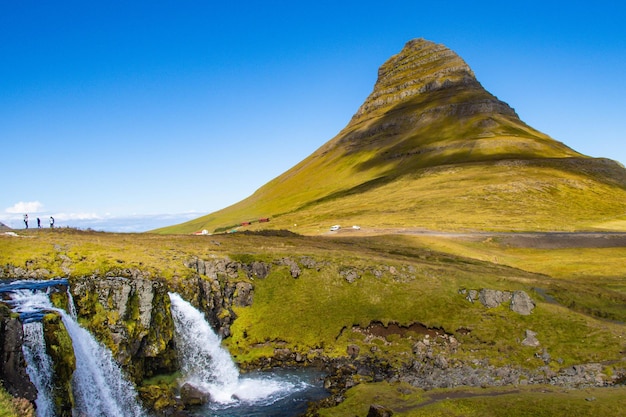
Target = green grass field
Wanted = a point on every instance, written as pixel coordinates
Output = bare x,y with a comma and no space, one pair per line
521,401
403,279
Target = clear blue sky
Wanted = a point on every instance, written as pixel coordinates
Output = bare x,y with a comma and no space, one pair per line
113,113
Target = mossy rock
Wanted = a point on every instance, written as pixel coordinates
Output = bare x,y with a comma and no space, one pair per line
159,394
59,348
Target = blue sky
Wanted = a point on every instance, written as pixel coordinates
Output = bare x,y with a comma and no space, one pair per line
126,116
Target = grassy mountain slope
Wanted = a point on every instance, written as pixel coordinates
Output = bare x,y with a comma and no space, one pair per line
430,147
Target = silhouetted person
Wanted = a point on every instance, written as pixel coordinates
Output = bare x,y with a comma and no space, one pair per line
26,220
51,222
38,223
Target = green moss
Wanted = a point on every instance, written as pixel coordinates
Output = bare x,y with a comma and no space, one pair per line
96,319
14,407
159,391
159,397
59,348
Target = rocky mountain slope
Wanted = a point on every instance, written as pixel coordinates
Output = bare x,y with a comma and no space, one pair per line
430,147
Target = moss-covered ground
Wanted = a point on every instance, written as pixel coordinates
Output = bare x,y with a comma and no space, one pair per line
531,401
14,407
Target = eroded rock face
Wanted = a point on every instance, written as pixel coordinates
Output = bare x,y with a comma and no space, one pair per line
13,366
131,316
216,288
420,67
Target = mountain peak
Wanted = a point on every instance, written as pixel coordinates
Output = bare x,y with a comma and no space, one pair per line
430,147
420,67
428,102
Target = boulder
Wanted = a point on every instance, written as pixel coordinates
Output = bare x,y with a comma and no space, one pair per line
379,411
260,269
350,275
282,354
521,303
493,298
472,295
531,339
294,269
191,395
243,294
310,263
353,351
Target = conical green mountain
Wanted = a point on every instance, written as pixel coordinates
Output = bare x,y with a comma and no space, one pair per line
431,148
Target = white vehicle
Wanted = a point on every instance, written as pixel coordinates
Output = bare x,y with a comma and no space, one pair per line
355,227
335,228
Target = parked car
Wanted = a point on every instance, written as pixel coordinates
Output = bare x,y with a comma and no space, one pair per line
335,228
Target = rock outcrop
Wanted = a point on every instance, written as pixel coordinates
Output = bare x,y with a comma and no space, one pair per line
519,301
129,311
13,365
379,411
424,67
192,396
218,285
131,315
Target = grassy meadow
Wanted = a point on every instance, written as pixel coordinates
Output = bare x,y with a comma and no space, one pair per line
580,295
520,401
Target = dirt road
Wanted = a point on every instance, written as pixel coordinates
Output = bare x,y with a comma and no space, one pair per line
539,240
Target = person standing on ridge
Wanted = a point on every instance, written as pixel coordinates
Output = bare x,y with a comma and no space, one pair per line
26,220
38,223
51,222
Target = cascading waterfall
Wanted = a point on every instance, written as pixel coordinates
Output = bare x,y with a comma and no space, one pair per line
71,307
100,389
203,361
39,367
30,304
209,367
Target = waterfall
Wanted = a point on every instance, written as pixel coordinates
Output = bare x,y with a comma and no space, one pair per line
100,389
99,386
39,367
70,304
204,362
206,365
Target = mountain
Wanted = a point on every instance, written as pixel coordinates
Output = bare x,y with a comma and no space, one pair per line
431,148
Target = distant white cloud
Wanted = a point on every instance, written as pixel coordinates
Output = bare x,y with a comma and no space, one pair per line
25,207
77,216
132,223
